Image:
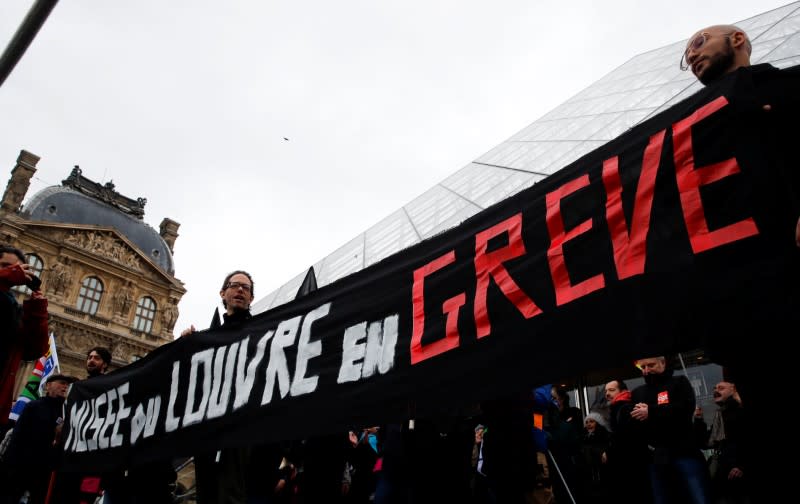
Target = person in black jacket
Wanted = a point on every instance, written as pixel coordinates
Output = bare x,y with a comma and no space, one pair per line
728,440
32,453
665,405
716,55
627,455
221,476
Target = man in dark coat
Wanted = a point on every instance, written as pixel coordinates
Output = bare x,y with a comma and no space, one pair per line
715,55
728,439
32,453
627,455
221,475
664,405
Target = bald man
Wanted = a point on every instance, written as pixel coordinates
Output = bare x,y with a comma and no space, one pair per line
720,55
716,51
719,50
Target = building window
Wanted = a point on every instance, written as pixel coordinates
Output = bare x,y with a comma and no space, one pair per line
145,314
89,297
37,266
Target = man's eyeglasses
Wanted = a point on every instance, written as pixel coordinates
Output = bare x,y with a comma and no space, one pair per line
239,285
695,45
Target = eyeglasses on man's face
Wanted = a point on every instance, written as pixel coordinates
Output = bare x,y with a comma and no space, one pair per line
695,45
239,285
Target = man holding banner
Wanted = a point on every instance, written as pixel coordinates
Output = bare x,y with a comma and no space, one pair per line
716,51
717,55
32,454
23,329
220,476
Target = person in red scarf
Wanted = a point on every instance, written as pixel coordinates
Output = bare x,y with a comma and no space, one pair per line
627,455
23,329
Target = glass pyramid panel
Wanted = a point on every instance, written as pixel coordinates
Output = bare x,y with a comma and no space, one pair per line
391,235
629,94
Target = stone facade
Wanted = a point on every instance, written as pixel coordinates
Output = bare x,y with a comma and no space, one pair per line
102,289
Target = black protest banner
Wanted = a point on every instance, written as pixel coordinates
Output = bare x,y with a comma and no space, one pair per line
678,230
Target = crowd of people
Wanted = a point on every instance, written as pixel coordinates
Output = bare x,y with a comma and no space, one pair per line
649,444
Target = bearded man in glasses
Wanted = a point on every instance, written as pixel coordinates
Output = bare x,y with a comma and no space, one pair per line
236,294
221,476
717,51
715,54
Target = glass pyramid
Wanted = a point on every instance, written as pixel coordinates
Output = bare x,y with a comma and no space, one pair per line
640,88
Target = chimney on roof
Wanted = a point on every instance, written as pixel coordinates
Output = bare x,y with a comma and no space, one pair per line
19,182
169,232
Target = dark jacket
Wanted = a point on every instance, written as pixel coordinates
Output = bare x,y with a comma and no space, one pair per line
31,446
628,447
628,455
31,456
23,334
669,428
731,451
223,481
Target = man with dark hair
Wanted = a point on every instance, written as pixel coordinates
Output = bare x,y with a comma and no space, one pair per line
220,476
70,487
150,483
97,361
237,290
627,455
23,330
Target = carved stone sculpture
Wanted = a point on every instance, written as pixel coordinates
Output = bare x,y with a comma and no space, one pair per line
169,315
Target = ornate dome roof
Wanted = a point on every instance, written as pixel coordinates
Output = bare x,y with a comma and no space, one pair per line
68,206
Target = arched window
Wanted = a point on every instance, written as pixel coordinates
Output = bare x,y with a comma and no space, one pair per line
145,314
89,297
37,266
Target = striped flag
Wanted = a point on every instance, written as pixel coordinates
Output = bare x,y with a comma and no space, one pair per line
50,363
33,389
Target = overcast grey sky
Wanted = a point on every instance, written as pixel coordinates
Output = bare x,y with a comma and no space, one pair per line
187,103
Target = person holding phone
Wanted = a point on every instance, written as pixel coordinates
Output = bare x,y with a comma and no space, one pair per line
23,329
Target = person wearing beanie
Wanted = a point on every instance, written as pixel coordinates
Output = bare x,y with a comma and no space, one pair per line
593,485
598,420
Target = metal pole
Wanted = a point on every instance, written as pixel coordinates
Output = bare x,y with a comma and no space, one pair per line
683,365
25,34
561,476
